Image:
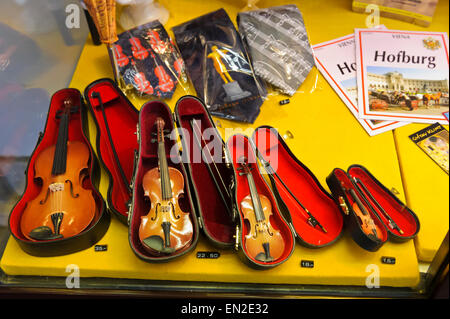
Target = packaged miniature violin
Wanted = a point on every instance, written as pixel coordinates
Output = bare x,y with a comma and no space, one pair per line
148,62
61,210
373,214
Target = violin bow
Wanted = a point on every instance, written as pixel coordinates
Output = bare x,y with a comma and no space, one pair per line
197,139
311,219
361,186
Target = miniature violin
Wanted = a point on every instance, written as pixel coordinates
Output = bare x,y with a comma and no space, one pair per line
263,242
63,208
166,228
165,81
142,83
139,52
121,58
367,224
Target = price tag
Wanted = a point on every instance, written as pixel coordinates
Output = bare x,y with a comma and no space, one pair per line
307,263
208,254
101,247
388,260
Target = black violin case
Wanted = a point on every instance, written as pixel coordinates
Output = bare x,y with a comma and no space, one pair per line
296,179
76,132
340,180
240,146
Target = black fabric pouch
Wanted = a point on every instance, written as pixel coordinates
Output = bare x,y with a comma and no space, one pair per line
218,66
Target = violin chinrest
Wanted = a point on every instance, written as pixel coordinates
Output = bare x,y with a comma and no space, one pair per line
43,233
156,243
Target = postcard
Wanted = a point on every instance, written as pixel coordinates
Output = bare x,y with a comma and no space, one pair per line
433,140
402,75
336,61
445,115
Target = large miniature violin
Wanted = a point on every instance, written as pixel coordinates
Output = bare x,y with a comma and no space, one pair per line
262,242
63,208
166,228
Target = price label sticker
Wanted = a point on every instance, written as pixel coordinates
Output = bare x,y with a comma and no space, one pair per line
307,263
208,254
388,260
101,247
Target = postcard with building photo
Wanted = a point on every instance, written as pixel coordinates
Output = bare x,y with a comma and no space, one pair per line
335,60
402,75
433,140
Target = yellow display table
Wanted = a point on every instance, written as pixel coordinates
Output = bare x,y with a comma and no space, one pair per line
322,133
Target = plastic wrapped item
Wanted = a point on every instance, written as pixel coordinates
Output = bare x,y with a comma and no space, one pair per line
138,12
148,62
278,46
218,66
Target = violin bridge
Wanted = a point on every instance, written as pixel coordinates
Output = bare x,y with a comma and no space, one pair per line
56,187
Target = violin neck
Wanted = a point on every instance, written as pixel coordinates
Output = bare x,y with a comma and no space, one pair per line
259,214
60,157
166,188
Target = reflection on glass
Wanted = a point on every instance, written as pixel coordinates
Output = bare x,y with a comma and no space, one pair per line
39,48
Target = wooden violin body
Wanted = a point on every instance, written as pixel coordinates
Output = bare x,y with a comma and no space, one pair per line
166,229
263,242
63,208
367,224
164,213
261,234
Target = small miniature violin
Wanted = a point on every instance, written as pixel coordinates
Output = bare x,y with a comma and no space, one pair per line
63,208
165,81
121,58
367,224
139,52
262,242
166,228
143,84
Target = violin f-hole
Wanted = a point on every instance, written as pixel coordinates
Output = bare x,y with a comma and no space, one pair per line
43,201
71,189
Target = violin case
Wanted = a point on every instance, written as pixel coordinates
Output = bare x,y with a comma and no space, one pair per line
76,132
116,142
238,146
399,212
147,159
301,182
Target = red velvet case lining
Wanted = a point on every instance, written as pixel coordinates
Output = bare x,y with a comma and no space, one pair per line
347,183
239,146
398,213
304,187
148,159
122,121
34,187
216,219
